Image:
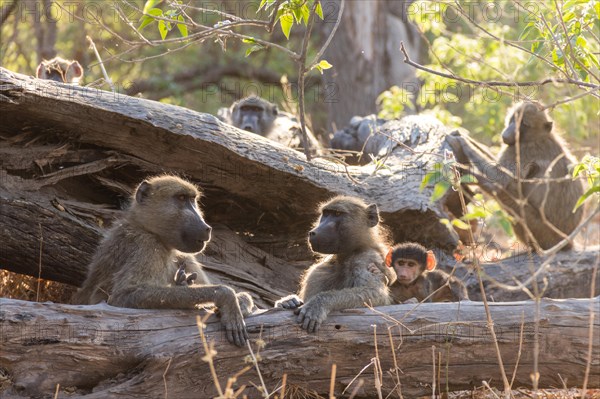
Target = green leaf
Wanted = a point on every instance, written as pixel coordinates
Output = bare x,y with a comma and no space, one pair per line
162,29
183,30
305,11
460,224
436,175
147,20
319,11
249,40
149,5
468,179
324,64
254,49
506,226
286,21
578,168
586,195
439,190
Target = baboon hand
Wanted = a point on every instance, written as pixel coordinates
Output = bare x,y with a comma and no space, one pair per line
311,315
234,325
289,302
246,303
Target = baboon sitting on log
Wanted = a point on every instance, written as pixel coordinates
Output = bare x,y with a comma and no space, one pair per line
549,194
349,231
257,115
137,264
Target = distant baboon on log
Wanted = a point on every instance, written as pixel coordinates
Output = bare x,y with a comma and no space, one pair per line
348,230
257,115
135,264
548,193
60,70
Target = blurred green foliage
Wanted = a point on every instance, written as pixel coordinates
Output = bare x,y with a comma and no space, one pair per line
472,39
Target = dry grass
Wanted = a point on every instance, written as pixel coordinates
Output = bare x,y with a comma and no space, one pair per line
19,286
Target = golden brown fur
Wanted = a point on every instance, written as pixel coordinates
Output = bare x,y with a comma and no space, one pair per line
136,263
348,230
543,154
60,70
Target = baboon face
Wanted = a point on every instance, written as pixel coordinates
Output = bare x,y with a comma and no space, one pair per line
60,70
409,261
167,206
254,114
529,119
343,226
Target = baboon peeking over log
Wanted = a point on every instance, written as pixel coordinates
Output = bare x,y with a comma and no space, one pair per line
60,70
348,230
135,264
257,115
548,193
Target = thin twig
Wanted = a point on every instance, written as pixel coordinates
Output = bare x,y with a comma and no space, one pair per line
106,77
408,61
590,331
164,376
39,278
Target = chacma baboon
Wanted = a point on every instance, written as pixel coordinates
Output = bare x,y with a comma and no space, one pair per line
257,115
348,230
546,192
417,278
60,70
136,261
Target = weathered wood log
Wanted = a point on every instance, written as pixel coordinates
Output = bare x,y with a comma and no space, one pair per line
70,157
64,177
101,351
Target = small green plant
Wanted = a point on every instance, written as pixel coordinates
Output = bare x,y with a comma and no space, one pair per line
590,166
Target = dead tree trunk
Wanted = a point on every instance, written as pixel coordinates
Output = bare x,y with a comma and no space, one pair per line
101,351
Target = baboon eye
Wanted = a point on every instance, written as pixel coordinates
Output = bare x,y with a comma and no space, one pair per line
182,197
337,213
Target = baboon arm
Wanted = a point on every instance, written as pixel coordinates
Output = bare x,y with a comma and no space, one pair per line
355,297
181,297
494,177
175,297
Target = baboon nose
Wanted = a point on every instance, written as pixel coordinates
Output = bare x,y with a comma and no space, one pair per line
248,128
312,233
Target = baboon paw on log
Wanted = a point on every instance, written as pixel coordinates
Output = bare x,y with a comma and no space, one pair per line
60,70
348,231
257,115
135,264
549,194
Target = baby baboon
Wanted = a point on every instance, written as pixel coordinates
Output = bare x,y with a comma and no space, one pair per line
135,263
262,117
543,155
60,70
417,277
348,230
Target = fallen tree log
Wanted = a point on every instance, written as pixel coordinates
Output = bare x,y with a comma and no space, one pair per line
102,351
70,156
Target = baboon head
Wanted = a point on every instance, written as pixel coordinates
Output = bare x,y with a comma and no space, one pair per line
60,70
409,260
254,114
167,206
345,225
531,119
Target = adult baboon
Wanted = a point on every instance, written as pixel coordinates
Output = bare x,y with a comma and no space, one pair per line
60,70
135,264
348,230
543,201
257,115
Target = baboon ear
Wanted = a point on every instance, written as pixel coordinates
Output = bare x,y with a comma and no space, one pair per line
142,192
77,69
431,261
38,71
548,126
372,215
